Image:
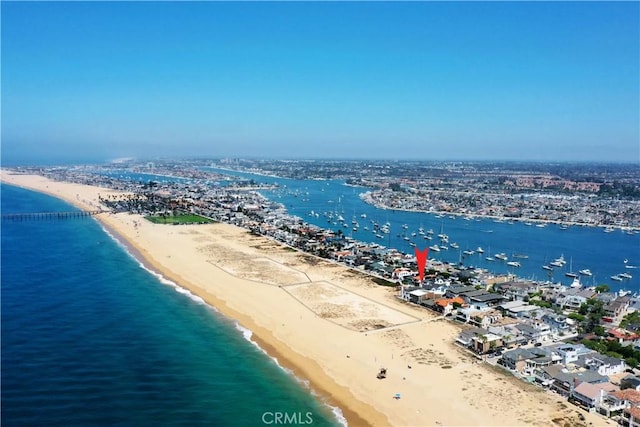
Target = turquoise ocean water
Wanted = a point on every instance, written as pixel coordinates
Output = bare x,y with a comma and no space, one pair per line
90,337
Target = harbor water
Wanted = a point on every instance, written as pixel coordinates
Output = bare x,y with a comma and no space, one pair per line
605,254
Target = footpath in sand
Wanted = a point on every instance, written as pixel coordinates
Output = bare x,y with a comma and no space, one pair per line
331,325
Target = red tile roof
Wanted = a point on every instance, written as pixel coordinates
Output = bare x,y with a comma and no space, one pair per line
634,411
629,394
443,302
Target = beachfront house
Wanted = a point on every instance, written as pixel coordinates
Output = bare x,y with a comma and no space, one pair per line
483,343
615,402
418,296
520,359
631,417
590,395
465,337
511,336
563,380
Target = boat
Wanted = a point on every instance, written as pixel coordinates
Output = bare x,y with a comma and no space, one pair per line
617,278
521,256
570,273
468,252
585,272
625,275
480,250
558,262
489,258
454,245
513,263
546,267
501,256
576,283
435,248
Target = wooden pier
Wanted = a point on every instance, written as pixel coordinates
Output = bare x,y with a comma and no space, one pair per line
31,216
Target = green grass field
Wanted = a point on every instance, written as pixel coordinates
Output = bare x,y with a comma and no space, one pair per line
179,219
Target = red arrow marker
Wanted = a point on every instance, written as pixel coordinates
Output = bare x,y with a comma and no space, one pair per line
421,259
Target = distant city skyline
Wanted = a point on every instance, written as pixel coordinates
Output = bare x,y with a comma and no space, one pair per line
547,81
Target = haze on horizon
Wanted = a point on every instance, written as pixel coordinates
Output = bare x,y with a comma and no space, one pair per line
549,81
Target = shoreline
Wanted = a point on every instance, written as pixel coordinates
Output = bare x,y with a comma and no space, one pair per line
313,345
364,197
327,395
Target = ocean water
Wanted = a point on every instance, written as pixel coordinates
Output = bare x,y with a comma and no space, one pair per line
582,247
89,337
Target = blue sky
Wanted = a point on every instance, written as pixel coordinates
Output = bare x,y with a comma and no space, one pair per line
416,80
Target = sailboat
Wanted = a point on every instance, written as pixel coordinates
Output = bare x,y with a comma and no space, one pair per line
489,257
570,273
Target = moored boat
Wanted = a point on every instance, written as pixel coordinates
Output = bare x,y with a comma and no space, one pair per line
585,272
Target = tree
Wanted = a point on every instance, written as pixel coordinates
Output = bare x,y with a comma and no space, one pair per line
599,330
602,288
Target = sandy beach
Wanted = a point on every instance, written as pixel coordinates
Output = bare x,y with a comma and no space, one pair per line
330,325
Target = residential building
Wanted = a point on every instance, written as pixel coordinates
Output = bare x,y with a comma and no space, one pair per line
590,395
